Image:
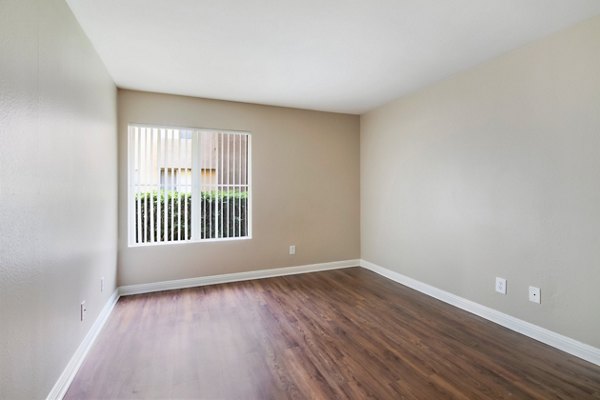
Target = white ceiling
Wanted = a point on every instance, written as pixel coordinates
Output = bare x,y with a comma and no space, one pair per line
332,55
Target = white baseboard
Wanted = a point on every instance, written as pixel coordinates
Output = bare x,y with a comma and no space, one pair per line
234,277
64,380
564,343
543,335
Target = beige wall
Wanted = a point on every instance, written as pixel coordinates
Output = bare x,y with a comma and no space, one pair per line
496,172
305,188
58,192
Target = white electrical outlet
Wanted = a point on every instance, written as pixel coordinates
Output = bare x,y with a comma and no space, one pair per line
292,249
501,285
535,294
101,284
82,311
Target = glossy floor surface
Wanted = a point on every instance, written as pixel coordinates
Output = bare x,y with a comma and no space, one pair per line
344,334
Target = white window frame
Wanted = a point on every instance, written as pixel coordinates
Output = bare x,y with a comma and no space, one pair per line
195,222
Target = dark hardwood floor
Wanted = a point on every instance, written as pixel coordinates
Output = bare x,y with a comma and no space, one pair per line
346,334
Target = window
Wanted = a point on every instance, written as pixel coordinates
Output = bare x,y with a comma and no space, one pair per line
188,185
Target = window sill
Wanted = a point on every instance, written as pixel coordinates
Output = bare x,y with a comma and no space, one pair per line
184,242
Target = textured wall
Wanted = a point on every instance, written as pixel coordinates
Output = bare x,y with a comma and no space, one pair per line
305,188
58,192
496,172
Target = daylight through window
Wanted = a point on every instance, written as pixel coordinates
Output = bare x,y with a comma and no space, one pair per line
188,184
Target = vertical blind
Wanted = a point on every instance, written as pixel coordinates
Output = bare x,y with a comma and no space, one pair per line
188,184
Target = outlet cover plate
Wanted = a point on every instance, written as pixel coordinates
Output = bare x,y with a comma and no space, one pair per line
82,310
501,285
535,294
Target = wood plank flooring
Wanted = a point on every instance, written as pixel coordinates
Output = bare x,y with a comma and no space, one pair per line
344,334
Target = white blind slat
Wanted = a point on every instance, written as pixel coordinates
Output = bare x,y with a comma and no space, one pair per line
151,181
138,167
158,192
144,180
220,188
229,182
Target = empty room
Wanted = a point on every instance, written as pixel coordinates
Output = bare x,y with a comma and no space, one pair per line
394,199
